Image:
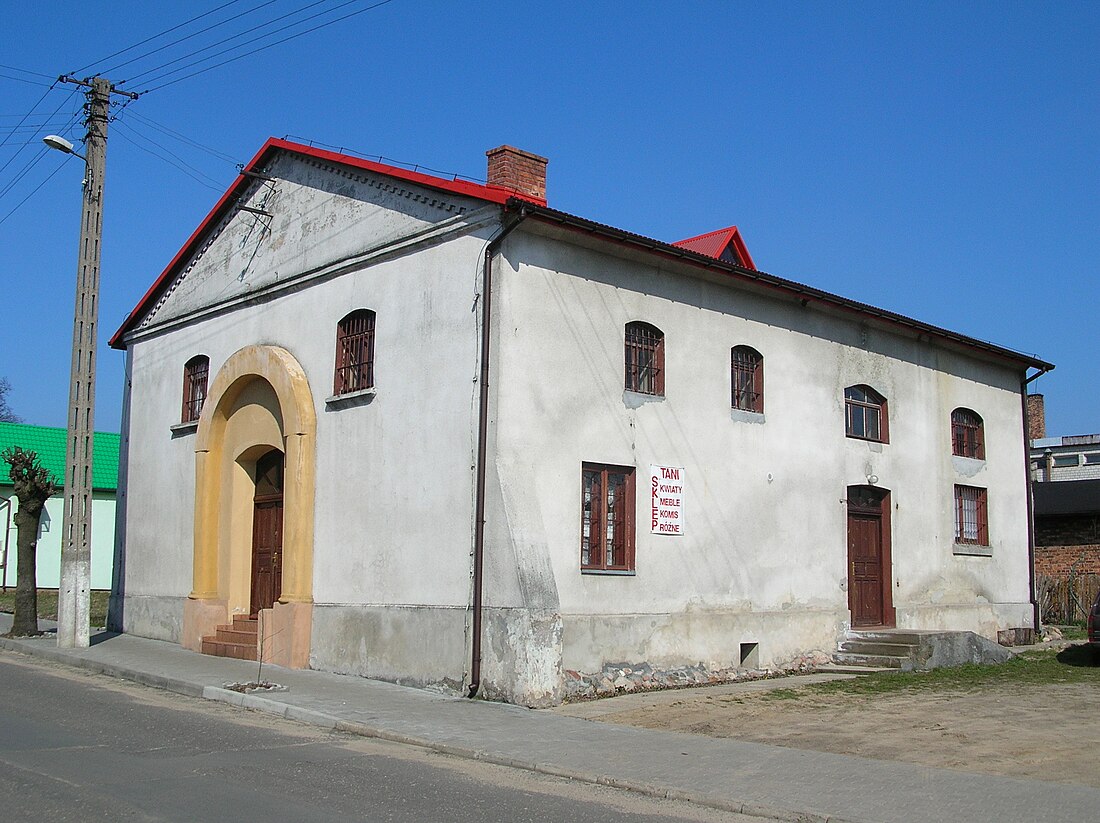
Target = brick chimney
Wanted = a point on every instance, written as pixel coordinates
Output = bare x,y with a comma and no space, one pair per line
518,170
1036,417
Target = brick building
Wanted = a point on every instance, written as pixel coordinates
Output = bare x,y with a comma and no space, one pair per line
1065,475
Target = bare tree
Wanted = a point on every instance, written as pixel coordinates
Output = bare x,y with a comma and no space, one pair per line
6,413
34,485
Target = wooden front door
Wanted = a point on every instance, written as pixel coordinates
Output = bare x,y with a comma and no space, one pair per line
869,595
267,532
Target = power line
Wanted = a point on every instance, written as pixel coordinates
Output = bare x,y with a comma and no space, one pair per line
155,36
172,159
237,36
34,191
148,121
28,71
28,114
188,37
262,48
22,79
30,164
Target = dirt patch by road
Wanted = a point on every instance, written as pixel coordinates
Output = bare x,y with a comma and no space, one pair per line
1044,731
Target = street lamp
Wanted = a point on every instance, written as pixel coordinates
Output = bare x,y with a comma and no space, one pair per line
56,141
73,602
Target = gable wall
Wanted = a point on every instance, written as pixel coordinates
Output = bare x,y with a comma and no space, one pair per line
394,492
763,558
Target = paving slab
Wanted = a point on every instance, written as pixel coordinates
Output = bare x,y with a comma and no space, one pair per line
751,778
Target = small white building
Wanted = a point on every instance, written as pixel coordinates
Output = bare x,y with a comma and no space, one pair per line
49,444
434,431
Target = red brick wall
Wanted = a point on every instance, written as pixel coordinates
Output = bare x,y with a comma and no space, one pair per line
1036,417
518,170
1056,561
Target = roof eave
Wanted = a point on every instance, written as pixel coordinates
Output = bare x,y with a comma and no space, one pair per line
797,290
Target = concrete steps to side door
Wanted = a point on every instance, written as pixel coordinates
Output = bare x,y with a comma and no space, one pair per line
909,650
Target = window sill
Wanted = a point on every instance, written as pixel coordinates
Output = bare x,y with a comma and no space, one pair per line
184,428
972,550
354,398
613,572
746,416
637,399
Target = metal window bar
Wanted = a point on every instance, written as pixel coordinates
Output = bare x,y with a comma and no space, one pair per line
644,359
590,526
971,516
195,375
616,521
355,353
966,435
747,393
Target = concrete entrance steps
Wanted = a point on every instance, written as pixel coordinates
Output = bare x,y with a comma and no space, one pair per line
881,649
909,650
236,639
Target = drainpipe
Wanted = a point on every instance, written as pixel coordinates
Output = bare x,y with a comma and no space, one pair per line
1030,504
509,221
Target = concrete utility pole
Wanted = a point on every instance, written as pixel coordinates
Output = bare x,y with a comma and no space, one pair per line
76,530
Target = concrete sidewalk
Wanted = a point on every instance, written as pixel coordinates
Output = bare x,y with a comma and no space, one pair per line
751,778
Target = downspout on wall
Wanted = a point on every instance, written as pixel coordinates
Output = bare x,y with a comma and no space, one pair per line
1035,616
509,221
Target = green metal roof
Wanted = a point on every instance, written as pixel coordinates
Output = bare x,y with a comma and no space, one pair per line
49,444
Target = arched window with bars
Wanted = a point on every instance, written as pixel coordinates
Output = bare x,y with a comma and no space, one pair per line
967,434
645,359
355,353
747,379
196,373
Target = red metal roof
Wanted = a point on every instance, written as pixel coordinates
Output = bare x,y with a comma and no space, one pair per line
465,188
715,243
705,250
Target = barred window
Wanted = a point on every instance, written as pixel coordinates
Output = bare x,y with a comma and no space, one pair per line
971,516
355,353
195,374
967,434
607,518
865,414
747,379
645,359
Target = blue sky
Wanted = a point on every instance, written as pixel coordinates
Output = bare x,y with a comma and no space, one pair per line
938,160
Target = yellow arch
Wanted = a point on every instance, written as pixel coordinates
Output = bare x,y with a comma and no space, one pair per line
227,433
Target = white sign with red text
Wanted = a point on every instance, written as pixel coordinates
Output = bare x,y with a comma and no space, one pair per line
666,488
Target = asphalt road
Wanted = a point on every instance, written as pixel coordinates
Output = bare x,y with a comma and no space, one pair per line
78,746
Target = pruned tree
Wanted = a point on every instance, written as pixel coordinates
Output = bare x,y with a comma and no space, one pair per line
34,485
6,413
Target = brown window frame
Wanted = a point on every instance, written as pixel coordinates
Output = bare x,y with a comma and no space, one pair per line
594,551
196,376
967,434
977,532
857,408
746,379
354,369
644,359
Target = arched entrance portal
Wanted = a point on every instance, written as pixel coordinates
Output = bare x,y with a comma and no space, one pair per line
254,490
267,533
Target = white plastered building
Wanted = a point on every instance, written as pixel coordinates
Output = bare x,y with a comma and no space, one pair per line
436,432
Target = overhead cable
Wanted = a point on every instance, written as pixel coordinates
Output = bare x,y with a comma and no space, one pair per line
262,48
238,36
156,36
